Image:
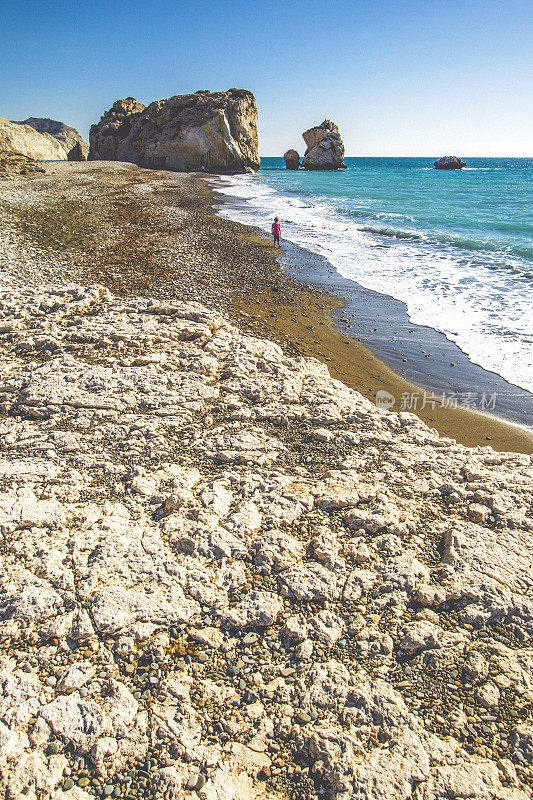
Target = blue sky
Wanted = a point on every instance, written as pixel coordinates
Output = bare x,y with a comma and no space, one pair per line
399,78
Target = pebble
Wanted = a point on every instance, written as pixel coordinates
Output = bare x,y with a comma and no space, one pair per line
287,671
191,783
250,638
68,784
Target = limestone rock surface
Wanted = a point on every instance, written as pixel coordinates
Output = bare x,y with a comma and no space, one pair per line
211,131
26,141
72,141
325,149
226,575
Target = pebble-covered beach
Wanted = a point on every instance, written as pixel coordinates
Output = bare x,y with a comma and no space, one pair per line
224,574
142,232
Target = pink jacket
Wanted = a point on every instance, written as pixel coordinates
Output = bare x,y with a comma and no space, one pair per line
276,228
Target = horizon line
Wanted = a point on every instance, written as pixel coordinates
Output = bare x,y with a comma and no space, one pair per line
362,155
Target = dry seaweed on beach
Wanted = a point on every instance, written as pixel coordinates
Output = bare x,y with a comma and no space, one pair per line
13,164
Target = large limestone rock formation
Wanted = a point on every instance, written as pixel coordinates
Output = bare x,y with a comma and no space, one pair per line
71,140
325,149
25,140
292,159
449,162
211,131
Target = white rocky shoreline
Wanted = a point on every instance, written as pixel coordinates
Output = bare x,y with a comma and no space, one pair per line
226,576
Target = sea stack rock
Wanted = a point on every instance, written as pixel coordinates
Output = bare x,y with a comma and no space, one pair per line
78,152
325,149
24,140
292,159
211,131
69,138
449,162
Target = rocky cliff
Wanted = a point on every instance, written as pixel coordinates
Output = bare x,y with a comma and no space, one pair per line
71,140
325,149
449,162
211,131
26,141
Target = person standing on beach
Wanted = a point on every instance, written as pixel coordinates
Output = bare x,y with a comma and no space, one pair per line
276,231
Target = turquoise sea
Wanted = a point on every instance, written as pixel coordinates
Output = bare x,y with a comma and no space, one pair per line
456,247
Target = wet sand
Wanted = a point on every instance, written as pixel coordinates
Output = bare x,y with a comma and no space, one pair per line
311,330
418,353
147,232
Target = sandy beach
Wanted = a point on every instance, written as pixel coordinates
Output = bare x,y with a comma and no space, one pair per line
137,232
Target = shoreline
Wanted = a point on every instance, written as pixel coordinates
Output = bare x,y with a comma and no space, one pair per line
420,354
176,243
355,362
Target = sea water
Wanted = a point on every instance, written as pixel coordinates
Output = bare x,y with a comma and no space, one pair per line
455,246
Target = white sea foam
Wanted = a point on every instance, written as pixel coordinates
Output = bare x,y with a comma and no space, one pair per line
486,311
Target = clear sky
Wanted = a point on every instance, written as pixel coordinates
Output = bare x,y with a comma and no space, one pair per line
399,77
